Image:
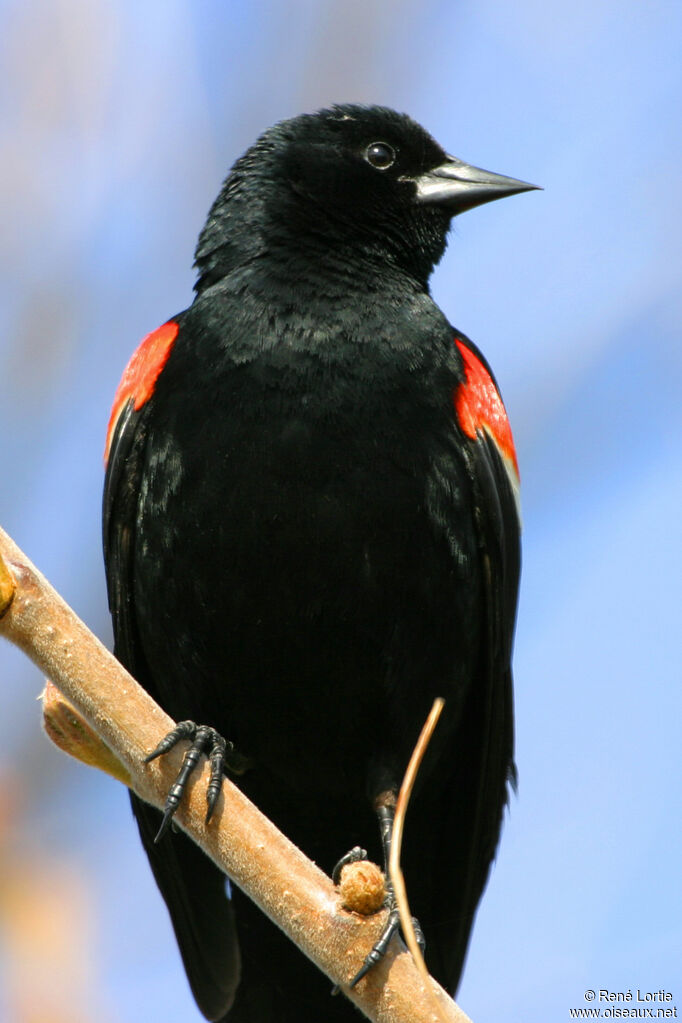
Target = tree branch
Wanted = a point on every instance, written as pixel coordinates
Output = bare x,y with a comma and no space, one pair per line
290,889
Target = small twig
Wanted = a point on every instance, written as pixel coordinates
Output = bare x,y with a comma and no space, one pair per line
394,869
240,840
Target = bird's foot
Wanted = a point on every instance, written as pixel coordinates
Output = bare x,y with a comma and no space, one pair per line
203,740
385,811
391,927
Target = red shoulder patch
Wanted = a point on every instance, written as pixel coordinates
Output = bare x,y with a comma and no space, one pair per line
140,375
478,406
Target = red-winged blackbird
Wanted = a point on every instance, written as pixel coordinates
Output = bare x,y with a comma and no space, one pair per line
311,530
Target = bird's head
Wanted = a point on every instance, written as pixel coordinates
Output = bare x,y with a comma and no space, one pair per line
357,183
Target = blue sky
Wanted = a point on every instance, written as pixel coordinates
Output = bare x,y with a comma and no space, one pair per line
117,125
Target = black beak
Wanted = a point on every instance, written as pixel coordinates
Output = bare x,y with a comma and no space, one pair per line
458,186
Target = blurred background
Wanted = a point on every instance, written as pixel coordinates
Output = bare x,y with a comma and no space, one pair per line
118,123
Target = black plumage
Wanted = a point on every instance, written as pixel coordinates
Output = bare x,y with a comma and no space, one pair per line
310,531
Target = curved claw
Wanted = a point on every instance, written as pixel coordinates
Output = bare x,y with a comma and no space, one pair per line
165,822
354,855
380,947
378,950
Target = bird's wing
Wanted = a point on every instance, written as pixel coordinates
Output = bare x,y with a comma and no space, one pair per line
481,767
193,888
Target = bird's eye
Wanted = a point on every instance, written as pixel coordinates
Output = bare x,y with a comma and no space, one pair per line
380,155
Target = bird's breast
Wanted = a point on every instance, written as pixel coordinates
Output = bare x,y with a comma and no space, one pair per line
287,537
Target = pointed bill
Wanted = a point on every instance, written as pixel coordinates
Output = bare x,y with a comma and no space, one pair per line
459,186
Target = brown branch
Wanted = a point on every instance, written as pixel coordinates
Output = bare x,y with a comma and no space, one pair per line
290,889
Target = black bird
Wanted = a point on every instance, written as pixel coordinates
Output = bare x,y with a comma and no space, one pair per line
311,530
